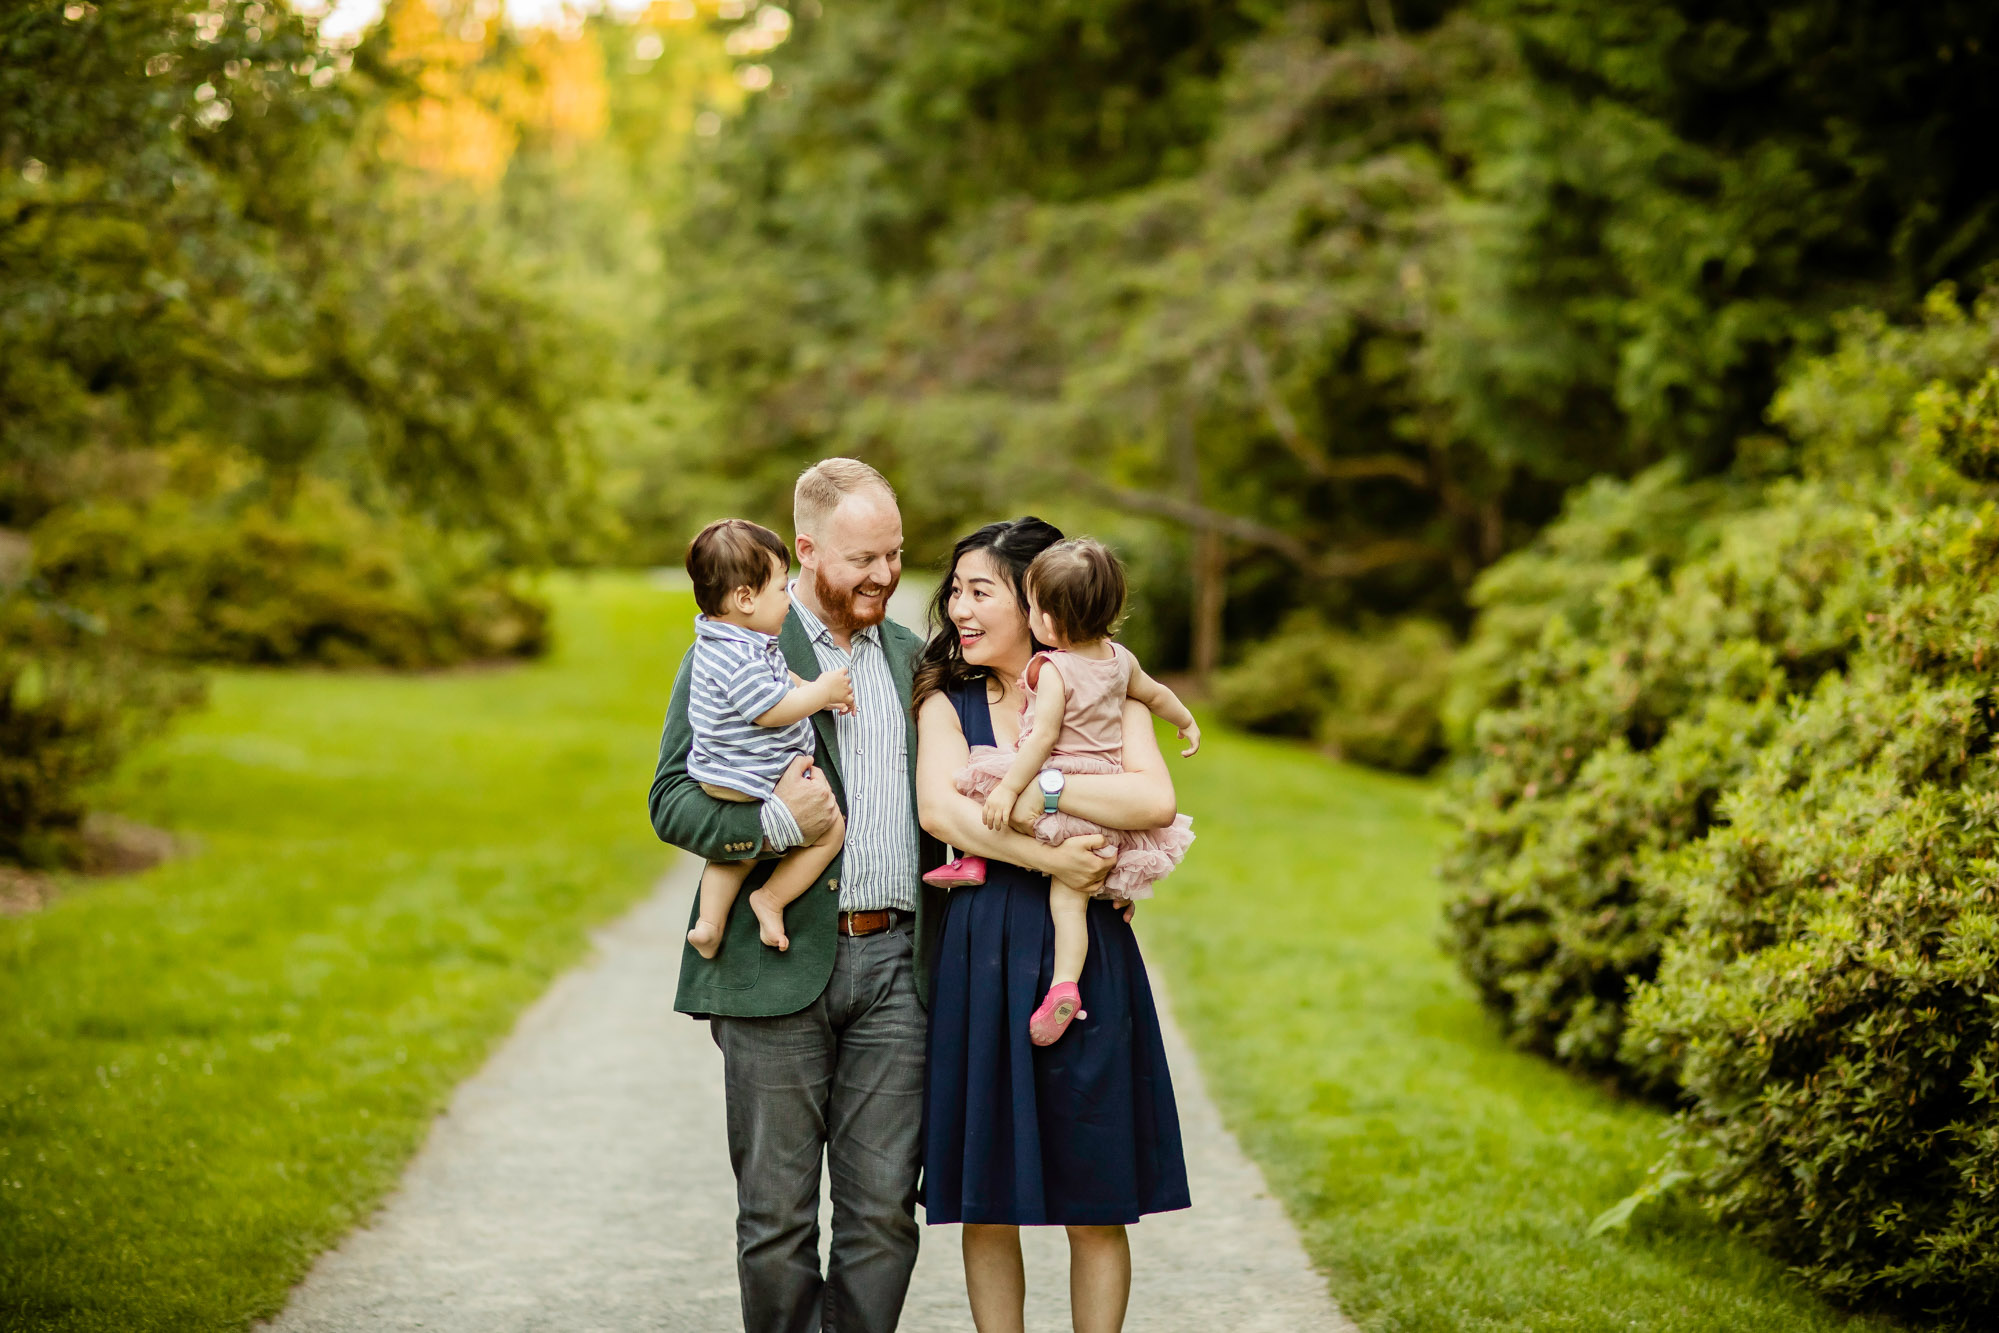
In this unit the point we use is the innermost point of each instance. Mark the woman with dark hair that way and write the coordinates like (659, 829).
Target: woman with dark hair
(1083, 1133)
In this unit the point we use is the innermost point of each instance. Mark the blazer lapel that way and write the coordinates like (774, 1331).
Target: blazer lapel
(902, 666)
(799, 656)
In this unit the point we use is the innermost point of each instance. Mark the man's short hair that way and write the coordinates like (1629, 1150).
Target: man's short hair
(733, 553)
(822, 486)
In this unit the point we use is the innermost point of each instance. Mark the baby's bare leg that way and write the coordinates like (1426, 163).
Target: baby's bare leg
(721, 881)
(1071, 911)
(797, 871)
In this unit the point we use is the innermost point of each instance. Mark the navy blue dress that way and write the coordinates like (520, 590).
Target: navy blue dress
(1081, 1133)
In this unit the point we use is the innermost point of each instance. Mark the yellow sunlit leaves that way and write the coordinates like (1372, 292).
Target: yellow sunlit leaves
(485, 89)
(479, 96)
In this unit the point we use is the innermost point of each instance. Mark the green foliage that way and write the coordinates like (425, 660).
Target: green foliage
(1673, 626)
(72, 702)
(199, 236)
(1659, 518)
(1617, 750)
(1369, 698)
(1735, 832)
(1832, 1004)
(1679, 196)
(318, 582)
(204, 244)
(1209, 336)
(1401, 276)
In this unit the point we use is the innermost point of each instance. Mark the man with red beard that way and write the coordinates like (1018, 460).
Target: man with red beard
(823, 1044)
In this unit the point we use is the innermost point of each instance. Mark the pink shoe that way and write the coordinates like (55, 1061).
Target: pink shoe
(1062, 1003)
(962, 873)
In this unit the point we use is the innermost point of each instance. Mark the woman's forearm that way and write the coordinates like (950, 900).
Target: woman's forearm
(954, 819)
(1115, 800)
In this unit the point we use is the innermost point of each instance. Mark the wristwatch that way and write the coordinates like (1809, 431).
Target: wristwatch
(1050, 782)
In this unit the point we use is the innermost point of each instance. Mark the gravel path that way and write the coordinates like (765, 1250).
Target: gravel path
(579, 1182)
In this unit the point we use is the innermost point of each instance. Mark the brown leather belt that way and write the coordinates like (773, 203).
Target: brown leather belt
(870, 923)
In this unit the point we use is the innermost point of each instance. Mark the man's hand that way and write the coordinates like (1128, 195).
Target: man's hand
(1079, 865)
(998, 810)
(806, 793)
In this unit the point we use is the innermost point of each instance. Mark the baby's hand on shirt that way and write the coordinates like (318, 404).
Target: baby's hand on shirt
(998, 808)
(839, 690)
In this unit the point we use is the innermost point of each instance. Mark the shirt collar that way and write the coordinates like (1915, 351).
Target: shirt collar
(707, 627)
(815, 629)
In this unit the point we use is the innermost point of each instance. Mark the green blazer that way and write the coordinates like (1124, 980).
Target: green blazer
(747, 979)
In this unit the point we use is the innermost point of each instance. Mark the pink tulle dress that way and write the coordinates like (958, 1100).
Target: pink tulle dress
(1092, 741)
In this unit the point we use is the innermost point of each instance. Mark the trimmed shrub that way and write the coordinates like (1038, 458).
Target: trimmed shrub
(71, 704)
(1658, 517)
(1831, 1003)
(1374, 699)
(1618, 750)
(320, 583)
(1672, 626)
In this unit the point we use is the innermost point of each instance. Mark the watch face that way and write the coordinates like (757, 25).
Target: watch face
(1050, 780)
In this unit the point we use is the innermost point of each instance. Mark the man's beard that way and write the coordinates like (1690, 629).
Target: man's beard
(837, 608)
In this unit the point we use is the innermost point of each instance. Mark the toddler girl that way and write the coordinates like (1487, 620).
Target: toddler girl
(1072, 722)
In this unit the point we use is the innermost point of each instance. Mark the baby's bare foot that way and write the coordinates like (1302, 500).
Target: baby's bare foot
(770, 921)
(706, 937)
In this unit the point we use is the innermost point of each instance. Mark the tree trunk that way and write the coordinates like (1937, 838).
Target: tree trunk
(1210, 559)
(1210, 570)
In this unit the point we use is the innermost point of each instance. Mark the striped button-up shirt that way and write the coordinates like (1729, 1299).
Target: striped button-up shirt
(880, 868)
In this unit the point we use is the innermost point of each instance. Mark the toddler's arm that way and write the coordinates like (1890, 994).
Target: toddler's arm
(1035, 747)
(1166, 704)
(832, 690)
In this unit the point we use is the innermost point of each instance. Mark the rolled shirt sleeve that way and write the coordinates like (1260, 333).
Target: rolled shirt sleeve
(781, 831)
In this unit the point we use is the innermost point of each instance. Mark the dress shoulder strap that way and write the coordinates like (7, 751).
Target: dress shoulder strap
(975, 717)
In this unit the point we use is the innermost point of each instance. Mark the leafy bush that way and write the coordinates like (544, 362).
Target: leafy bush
(1673, 625)
(1621, 745)
(71, 703)
(320, 582)
(1736, 831)
(1831, 1006)
(1659, 517)
(1370, 698)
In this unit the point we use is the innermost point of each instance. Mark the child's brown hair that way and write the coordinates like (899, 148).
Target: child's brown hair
(733, 553)
(1080, 586)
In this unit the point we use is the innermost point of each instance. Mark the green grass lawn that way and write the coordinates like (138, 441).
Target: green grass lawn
(1444, 1180)
(210, 1071)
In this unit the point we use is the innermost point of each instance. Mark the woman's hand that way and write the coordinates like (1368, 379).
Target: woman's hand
(1077, 864)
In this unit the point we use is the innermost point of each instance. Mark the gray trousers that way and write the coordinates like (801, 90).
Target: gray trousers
(843, 1076)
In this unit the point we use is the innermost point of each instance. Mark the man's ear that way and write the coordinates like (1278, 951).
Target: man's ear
(808, 553)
